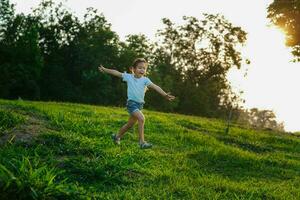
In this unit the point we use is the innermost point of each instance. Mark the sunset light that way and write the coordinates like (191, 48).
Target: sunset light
(149, 99)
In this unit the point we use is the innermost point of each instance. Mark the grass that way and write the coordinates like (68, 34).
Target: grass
(55, 150)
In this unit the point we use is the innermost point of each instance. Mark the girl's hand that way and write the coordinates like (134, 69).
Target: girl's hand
(101, 68)
(169, 97)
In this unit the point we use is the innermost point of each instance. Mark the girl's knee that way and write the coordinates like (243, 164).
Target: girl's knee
(141, 119)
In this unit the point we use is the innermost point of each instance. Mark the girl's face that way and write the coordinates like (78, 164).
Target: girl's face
(140, 70)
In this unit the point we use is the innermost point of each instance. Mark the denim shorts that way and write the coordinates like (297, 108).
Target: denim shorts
(133, 106)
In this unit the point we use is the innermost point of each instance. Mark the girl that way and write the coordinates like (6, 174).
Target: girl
(137, 84)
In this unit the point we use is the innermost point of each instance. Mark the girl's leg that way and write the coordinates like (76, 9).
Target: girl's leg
(131, 121)
(141, 121)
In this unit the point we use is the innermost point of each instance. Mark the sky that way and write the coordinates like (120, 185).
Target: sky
(272, 80)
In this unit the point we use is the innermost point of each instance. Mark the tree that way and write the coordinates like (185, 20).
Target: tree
(286, 15)
(203, 51)
(163, 73)
(260, 119)
(21, 61)
(72, 51)
(7, 13)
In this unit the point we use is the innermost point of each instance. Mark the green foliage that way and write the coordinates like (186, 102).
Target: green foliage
(285, 15)
(198, 55)
(262, 119)
(21, 61)
(6, 15)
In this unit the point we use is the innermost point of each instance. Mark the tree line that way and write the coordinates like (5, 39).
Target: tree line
(52, 55)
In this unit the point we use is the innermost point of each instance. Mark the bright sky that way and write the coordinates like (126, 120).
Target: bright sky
(272, 81)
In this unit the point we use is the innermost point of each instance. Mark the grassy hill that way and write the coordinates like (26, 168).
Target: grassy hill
(64, 151)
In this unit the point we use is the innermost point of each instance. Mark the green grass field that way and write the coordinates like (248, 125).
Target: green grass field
(63, 151)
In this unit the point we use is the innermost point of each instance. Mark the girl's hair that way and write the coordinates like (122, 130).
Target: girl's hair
(139, 60)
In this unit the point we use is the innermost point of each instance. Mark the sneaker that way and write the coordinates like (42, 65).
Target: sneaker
(146, 145)
(115, 139)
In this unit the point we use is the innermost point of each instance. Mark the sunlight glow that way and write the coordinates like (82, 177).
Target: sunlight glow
(272, 81)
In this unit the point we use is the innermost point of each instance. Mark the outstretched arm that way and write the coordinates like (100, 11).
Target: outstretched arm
(161, 92)
(110, 71)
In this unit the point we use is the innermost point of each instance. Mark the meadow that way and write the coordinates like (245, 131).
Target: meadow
(52, 150)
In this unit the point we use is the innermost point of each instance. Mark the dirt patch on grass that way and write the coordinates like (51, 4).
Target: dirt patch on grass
(25, 132)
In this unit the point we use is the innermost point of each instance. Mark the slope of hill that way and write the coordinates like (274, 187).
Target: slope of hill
(63, 151)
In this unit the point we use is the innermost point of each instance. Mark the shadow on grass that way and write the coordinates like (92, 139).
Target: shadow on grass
(280, 143)
(244, 145)
(86, 164)
(238, 167)
(286, 144)
(192, 126)
(25, 110)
